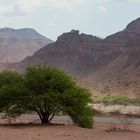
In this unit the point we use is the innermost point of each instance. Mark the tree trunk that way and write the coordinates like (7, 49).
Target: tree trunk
(45, 117)
(44, 120)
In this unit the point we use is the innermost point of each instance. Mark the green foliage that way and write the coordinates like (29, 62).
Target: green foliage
(51, 91)
(107, 100)
(82, 117)
(9, 78)
(97, 112)
(75, 103)
(46, 91)
(11, 84)
(11, 87)
(120, 100)
(135, 101)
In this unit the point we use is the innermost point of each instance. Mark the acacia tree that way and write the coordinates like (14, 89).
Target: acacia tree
(51, 91)
(48, 91)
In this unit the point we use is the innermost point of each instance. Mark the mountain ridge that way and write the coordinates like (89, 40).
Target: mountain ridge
(17, 44)
(113, 62)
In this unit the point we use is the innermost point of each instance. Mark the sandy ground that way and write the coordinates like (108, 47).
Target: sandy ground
(69, 132)
(129, 109)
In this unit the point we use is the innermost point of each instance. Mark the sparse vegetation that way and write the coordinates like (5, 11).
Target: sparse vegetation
(105, 90)
(117, 100)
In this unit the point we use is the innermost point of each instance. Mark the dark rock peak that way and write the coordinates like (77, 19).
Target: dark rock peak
(134, 25)
(74, 35)
(68, 35)
(75, 32)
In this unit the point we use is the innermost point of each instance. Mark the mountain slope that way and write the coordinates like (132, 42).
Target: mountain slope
(78, 54)
(16, 44)
(120, 39)
(112, 63)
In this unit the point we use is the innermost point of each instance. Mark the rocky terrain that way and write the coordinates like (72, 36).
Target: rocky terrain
(17, 44)
(109, 66)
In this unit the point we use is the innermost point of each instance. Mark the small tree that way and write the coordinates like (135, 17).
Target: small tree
(51, 91)
(46, 91)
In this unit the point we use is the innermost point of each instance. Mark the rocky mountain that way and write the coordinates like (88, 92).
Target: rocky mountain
(109, 66)
(16, 44)
(78, 54)
(120, 39)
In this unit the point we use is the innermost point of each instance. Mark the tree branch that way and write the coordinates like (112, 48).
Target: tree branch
(51, 117)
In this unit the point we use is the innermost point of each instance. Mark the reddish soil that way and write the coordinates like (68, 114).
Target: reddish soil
(101, 131)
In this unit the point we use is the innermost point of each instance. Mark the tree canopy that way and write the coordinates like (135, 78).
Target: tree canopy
(11, 90)
(48, 92)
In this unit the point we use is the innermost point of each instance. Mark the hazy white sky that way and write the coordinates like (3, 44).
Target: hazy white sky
(53, 17)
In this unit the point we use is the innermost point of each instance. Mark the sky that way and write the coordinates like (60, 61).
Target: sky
(54, 17)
